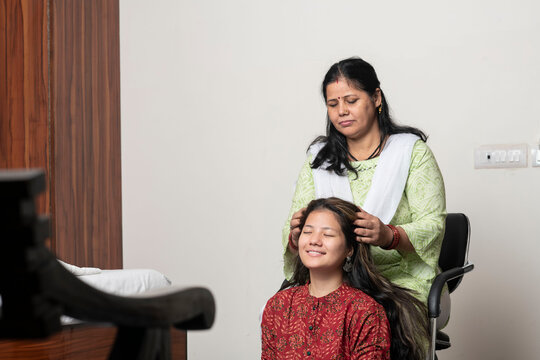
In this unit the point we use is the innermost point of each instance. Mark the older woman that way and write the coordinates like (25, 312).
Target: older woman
(337, 305)
(385, 169)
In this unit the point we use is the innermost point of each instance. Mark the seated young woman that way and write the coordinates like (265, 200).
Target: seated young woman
(337, 305)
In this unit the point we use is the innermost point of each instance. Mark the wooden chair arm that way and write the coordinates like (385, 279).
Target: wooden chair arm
(36, 289)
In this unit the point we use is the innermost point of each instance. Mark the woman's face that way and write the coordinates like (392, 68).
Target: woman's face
(322, 244)
(353, 112)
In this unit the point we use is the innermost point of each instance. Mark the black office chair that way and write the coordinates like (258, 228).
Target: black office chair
(454, 264)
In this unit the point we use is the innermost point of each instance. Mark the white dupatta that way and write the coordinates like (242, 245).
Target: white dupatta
(387, 184)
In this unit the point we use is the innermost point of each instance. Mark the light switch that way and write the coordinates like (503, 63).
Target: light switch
(501, 156)
(535, 157)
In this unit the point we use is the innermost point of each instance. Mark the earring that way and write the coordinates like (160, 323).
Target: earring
(347, 267)
(380, 109)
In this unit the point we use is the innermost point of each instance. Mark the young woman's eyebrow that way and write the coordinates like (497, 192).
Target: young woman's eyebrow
(324, 227)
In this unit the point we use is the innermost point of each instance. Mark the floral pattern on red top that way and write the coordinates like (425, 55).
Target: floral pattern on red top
(345, 324)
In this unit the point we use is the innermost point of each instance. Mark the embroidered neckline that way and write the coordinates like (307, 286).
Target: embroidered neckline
(330, 297)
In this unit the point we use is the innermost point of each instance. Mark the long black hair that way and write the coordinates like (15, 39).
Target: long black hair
(362, 76)
(406, 314)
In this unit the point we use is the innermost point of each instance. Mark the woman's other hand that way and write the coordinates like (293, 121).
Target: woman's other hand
(371, 230)
(295, 225)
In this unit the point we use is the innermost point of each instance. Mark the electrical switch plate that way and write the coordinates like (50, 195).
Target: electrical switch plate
(500, 156)
(535, 157)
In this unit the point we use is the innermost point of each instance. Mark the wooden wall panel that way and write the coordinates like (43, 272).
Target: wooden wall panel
(60, 111)
(24, 81)
(85, 92)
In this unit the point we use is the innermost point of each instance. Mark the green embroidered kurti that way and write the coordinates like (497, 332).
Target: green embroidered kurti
(421, 213)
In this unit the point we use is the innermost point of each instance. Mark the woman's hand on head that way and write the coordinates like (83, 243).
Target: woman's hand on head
(295, 225)
(371, 230)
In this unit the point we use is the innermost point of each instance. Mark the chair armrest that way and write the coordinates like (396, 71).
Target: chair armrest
(185, 308)
(434, 297)
(188, 308)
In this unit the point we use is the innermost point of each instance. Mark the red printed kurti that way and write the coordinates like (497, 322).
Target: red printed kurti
(345, 324)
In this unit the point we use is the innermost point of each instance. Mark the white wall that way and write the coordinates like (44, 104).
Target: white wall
(221, 98)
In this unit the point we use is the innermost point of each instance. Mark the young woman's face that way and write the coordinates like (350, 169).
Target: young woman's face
(353, 112)
(322, 244)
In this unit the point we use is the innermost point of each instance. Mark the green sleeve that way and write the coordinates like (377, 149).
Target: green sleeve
(427, 204)
(303, 194)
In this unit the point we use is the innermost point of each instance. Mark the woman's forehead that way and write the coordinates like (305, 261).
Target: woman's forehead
(342, 88)
(323, 218)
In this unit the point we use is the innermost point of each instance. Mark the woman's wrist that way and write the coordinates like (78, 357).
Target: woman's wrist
(292, 246)
(395, 238)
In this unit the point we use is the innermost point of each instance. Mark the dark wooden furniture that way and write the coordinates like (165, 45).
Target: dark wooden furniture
(36, 290)
(78, 342)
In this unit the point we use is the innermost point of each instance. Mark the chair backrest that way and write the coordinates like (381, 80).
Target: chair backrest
(455, 246)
